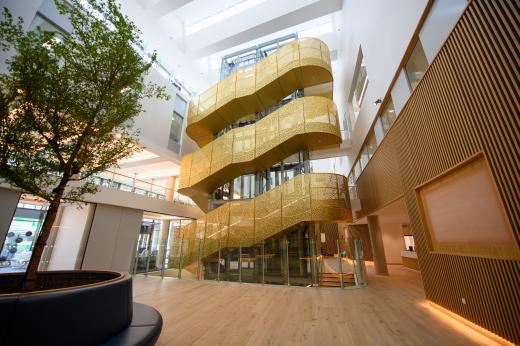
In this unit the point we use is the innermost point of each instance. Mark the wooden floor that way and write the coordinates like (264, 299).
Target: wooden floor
(390, 311)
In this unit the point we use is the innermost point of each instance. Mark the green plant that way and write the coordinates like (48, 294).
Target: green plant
(67, 104)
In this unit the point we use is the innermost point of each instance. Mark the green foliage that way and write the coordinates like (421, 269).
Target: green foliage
(67, 102)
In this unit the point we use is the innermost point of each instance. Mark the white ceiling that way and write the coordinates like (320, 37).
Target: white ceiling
(195, 57)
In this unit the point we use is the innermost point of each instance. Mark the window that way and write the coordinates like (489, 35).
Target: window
(357, 169)
(416, 65)
(388, 116)
(359, 88)
(176, 125)
(46, 25)
(371, 145)
(363, 157)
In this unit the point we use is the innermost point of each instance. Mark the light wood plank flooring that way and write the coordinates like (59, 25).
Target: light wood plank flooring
(390, 311)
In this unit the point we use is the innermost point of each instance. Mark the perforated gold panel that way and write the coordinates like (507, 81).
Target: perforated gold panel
(314, 197)
(266, 71)
(291, 121)
(308, 122)
(184, 178)
(267, 134)
(296, 200)
(297, 65)
(268, 214)
(245, 84)
(223, 156)
(244, 144)
(288, 57)
(226, 90)
(200, 164)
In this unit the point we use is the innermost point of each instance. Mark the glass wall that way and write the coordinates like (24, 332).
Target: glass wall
(158, 251)
(251, 185)
(178, 248)
(285, 259)
(21, 236)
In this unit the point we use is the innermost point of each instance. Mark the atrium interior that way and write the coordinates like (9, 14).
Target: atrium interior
(319, 172)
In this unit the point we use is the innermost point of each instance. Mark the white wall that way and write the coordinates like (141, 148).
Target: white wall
(155, 121)
(74, 222)
(393, 242)
(383, 29)
(112, 238)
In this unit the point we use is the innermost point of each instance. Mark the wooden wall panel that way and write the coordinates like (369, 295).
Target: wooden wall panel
(467, 102)
(331, 236)
(380, 182)
(360, 232)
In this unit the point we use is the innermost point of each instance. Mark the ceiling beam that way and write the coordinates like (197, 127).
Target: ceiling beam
(165, 7)
(200, 48)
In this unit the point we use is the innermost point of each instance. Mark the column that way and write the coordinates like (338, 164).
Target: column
(378, 250)
(165, 224)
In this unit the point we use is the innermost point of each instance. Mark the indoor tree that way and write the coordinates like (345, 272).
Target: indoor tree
(66, 105)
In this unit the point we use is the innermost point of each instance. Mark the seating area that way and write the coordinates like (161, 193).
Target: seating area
(96, 309)
(144, 330)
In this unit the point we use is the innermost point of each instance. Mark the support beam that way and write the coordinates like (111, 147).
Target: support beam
(378, 250)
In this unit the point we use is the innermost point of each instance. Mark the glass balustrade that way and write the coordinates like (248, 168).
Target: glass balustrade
(122, 182)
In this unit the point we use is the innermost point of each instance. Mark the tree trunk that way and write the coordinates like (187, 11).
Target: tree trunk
(29, 282)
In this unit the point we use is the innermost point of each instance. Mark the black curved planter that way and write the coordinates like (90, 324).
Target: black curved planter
(89, 314)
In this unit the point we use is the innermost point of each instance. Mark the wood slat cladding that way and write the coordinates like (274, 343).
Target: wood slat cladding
(467, 103)
(377, 190)
(331, 236)
(359, 232)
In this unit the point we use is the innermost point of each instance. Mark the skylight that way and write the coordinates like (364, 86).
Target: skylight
(220, 16)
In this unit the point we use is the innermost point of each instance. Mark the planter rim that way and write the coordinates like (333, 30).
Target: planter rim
(120, 276)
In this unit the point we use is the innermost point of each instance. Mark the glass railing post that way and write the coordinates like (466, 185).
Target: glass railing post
(163, 261)
(263, 262)
(340, 265)
(287, 260)
(359, 263)
(199, 261)
(219, 259)
(240, 261)
(147, 263)
(179, 274)
(136, 253)
(314, 271)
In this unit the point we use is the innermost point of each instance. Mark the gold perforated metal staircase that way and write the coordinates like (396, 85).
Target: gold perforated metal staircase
(306, 123)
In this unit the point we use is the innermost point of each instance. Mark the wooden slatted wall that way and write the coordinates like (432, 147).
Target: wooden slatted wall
(377, 190)
(467, 102)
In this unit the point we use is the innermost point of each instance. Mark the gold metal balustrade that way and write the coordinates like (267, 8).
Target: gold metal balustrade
(308, 122)
(311, 197)
(298, 64)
